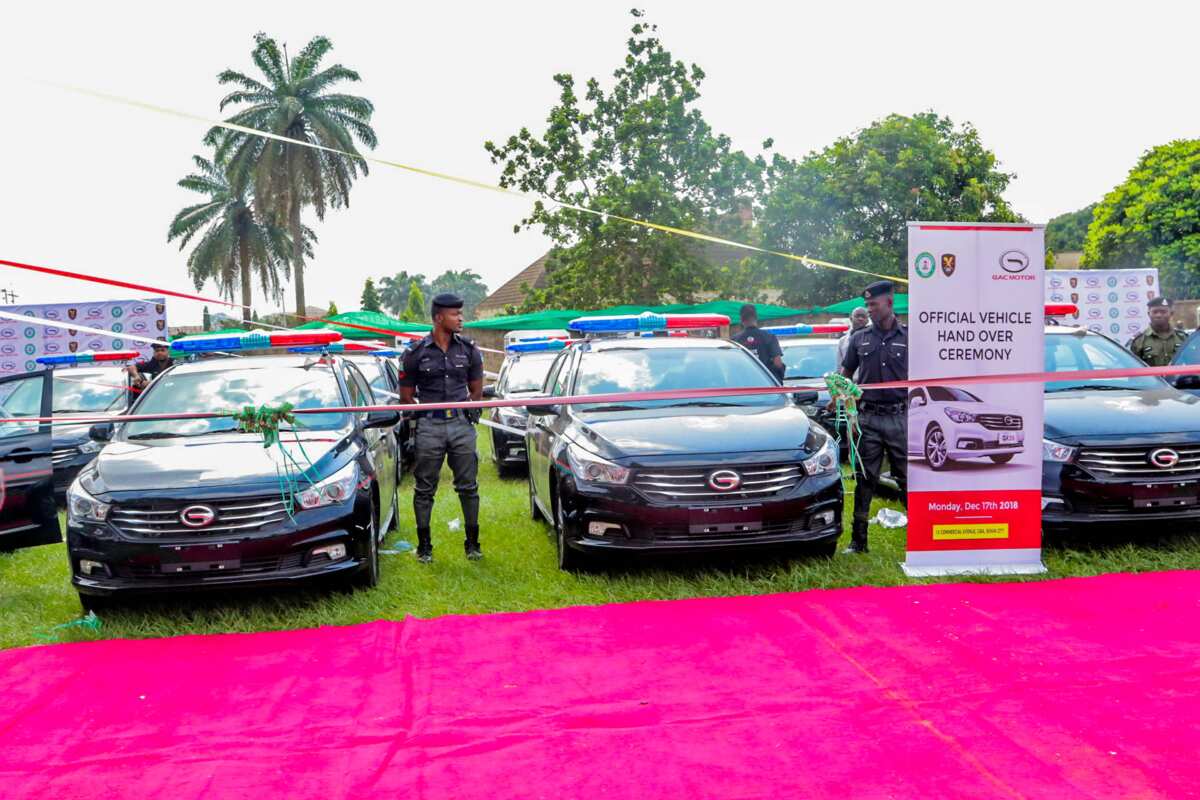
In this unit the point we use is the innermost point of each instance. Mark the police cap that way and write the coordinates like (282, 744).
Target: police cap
(446, 300)
(877, 289)
(1159, 302)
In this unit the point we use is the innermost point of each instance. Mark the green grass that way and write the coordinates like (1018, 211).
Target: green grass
(517, 574)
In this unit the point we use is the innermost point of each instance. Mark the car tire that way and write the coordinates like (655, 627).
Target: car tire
(568, 560)
(368, 577)
(1001, 459)
(96, 603)
(935, 450)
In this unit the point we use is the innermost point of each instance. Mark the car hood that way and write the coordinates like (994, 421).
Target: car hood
(752, 433)
(1128, 415)
(227, 460)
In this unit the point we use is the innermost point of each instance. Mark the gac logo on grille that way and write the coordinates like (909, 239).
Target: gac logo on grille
(1164, 458)
(724, 480)
(1011, 420)
(197, 516)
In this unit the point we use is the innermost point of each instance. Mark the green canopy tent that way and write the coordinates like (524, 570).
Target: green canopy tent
(846, 306)
(560, 318)
(367, 319)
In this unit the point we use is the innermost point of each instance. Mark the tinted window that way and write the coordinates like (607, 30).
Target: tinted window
(314, 386)
(654, 369)
(88, 391)
(356, 384)
(1190, 354)
(947, 394)
(527, 374)
(1069, 352)
(559, 387)
(21, 398)
(809, 360)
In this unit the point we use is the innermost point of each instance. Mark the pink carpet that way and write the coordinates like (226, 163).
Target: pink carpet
(1064, 689)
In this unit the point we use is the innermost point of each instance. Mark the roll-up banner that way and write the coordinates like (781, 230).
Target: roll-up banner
(1107, 301)
(976, 307)
(20, 345)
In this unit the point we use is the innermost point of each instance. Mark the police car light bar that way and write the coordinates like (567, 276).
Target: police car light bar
(671, 334)
(647, 321)
(348, 347)
(253, 341)
(541, 339)
(537, 345)
(88, 357)
(806, 330)
(1061, 309)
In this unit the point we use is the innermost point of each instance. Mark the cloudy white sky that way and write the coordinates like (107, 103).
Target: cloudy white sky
(1067, 94)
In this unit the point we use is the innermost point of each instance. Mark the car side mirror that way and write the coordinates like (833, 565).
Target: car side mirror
(101, 432)
(542, 411)
(1187, 382)
(381, 419)
(489, 393)
(805, 398)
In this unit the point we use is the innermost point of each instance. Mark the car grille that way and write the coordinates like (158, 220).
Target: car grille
(156, 521)
(1134, 462)
(1000, 422)
(62, 455)
(690, 484)
(248, 566)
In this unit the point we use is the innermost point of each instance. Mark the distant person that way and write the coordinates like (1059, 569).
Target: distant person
(859, 319)
(143, 372)
(1157, 344)
(762, 343)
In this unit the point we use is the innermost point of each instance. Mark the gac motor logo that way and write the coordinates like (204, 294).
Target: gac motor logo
(52, 313)
(139, 311)
(1164, 458)
(8, 349)
(1132, 297)
(140, 327)
(1133, 327)
(51, 347)
(1014, 261)
(197, 516)
(724, 480)
(8, 366)
(1056, 297)
(7, 333)
(1093, 297)
(1056, 283)
(1092, 283)
(1133, 312)
(1130, 280)
(94, 313)
(1095, 313)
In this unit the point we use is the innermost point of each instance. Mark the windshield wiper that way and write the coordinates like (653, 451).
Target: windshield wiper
(703, 403)
(617, 407)
(173, 435)
(1101, 387)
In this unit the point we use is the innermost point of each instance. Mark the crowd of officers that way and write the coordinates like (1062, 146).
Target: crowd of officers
(447, 367)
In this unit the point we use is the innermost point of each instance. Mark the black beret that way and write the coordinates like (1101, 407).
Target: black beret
(447, 300)
(876, 289)
(1159, 302)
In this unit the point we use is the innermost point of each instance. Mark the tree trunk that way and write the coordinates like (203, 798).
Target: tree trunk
(297, 257)
(244, 258)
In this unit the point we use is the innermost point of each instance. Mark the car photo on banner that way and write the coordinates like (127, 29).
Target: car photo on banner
(954, 428)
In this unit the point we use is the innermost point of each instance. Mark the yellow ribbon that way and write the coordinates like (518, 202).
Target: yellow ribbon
(704, 237)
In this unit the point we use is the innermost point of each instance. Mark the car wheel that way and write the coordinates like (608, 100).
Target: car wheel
(568, 560)
(936, 455)
(1001, 459)
(535, 514)
(368, 576)
(97, 603)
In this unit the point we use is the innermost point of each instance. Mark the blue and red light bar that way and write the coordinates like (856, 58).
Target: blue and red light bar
(89, 357)
(541, 339)
(647, 321)
(806, 330)
(537, 345)
(672, 334)
(348, 347)
(1061, 309)
(253, 341)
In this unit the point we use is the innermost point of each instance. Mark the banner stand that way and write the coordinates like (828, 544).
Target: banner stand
(1017, 561)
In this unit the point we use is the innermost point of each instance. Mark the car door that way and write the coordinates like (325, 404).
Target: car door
(540, 431)
(28, 513)
(380, 441)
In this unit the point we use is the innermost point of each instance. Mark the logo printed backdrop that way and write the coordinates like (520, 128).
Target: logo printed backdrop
(21, 344)
(975, 454)
(1110, 301)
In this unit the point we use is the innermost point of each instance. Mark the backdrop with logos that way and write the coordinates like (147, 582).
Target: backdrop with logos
(1110, 301)
(21, 344)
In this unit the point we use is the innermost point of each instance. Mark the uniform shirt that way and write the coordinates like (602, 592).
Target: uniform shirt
(877, 356)
(442, 376)
(844, 343)
(765, 345)
(151, 368)
(1157, 349)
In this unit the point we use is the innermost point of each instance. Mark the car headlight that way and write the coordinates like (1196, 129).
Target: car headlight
(91, 447)
(593, 469)
(337, 488)
(824, 460)
(82, 507)
(1053, 451)
(510, 418)
(958, 415)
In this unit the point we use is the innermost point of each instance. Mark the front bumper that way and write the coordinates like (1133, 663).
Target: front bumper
(969, 440)
(279, 555)
(619, 519)
(509, 448)
(1072, 497)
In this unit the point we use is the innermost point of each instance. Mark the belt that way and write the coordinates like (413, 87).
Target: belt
(443, 413)
(884, 409)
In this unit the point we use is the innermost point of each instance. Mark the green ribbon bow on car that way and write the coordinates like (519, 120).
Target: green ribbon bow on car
(845, 395)
(266, 420)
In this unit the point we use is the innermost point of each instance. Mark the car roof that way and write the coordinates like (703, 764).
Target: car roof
(231, 363)
(659, 343)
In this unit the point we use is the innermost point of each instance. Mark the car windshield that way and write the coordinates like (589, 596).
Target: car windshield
(233, 389)
(1070, 352)
(809, 359)
(528, 373)
(89, 391)
(644, 369)
(1190, 352)
(947, 394)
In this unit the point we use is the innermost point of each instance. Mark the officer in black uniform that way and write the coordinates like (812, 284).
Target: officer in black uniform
(145, 371)
(444, 367)
(763, 344)
(879, 353)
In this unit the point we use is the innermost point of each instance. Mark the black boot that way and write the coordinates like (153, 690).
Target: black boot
(424, 545)
(858, 538)
(471, 545)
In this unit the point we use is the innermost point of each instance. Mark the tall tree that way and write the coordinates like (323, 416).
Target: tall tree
(850, 203)
(416, 311)
(393, 290)
(640, 148)
(370, 297)
(236, 242)
(1153, 219)
(1067, 232)
(466, 284)
(295, 101)
(333, 309)
(206, 320)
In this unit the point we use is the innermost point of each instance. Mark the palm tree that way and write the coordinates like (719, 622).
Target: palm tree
(394, 289)
(236, 243)
(294, 102)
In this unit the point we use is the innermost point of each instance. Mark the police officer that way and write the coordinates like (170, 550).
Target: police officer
(145, 371)
(1157, 344)
(763, 344)
(878, 353)
(444, 367)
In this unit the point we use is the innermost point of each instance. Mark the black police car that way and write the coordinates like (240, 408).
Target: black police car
(1116, 450)
(83, 392)
(193, 503)
(521, 375)
(722, 472)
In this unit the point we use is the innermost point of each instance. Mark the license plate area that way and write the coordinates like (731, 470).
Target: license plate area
(1008, 438)
(1182, 494)
(196, 558)
(725, 519)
